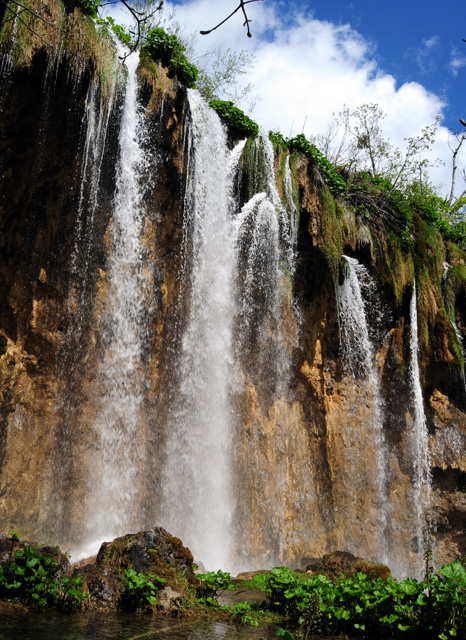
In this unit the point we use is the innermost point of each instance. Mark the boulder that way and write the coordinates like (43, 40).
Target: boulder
(344, 563)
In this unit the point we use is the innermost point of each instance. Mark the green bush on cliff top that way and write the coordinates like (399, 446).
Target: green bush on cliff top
(166, 48)
(234, 118)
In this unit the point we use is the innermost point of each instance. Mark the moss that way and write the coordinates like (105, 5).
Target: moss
(454, 285)
(395, 263)
(70, 37)
(294, 178)
(332, 237)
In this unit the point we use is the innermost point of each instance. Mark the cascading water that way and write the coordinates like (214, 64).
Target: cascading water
(418, 440)
(358, 360)
(197, 476)
(93, 147)
(114, 483)
(265, 249)
(266, 331)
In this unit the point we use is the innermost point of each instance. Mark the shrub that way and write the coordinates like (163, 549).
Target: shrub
(165, 48)
(213, 584)
(334, 181)
(234, 118)
(139, 590)
(34, 578)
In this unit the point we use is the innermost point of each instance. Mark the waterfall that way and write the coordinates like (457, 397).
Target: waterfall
(358, 361)
(197, 475)
(418, 440)
(265, 255)
(266, 332)
(120, 380)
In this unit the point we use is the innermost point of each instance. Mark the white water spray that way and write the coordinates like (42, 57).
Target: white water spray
(418, 438)
(358, 360)
(120, 382)
(197, 476)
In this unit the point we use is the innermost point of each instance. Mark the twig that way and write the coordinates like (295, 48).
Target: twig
(246, 19)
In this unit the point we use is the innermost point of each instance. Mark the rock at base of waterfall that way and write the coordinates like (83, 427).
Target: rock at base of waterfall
(154, 551)
(338, 563)
(168, 601)
(10, 545)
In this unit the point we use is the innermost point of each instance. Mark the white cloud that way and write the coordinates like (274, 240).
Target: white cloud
(426, 55)
(307, 69)
(457, 61)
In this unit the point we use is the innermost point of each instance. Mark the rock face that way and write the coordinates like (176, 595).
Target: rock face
(324, 458)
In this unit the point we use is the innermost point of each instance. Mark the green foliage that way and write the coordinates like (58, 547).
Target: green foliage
(234, 118)
(139, 590)
(90, 7)
(213, 584)
(34, 578)
(334, 181)
(246, 614)
(166, 48)
(368, 606)
(123, 36)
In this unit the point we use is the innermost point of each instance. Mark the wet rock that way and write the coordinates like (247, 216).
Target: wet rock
(344, 563)
(168, 601)
(154, 551)
(102, 586)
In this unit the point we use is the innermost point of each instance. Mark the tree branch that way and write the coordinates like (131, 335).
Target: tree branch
(33, 13)
(139, 21)
(246, 19)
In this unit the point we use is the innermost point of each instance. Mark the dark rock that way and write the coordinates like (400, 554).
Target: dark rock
(102, 586)
(344, 563)
(154, 551)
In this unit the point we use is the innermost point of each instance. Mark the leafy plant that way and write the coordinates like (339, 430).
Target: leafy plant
(213, 584)
(334, 181)
(234, 118)
(371, 606)
(166, 48)
(139, 590)
(123, 36)
(34, 578)
(90, 7)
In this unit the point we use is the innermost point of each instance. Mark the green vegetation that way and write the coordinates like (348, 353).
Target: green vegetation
(366, 605)
(166, 48)
(235, 119)
(335, 182)
(212, 585)
(139, 590)
(35, 579)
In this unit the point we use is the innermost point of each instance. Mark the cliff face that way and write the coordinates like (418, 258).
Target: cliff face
(326, 454)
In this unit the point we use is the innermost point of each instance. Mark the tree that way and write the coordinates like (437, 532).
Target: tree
(355, 141)
(460, 137)
(222, 81)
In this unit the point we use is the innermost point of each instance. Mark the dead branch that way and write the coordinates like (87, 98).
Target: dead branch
(246, 19)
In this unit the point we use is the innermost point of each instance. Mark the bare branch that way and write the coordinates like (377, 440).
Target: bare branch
(454, 167)
(246, 19)
(139, 22)
(28, 10)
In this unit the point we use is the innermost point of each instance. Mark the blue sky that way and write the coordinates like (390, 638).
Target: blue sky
(312, 58)
(414, 41)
